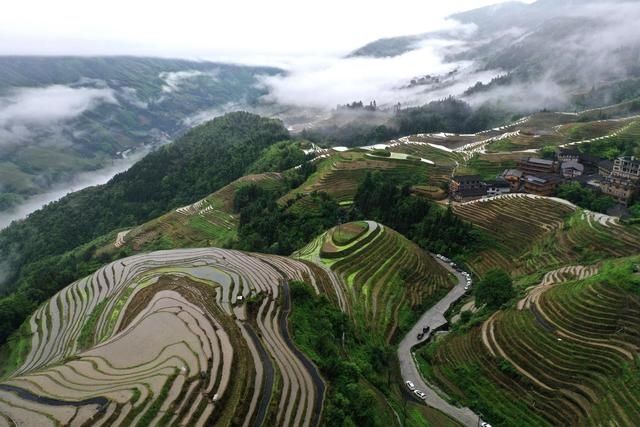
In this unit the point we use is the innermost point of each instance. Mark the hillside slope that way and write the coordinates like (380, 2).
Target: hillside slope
(568, 350)
(201, 336)
(387, 280)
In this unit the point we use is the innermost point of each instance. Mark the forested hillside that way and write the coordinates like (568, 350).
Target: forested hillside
(205, 159)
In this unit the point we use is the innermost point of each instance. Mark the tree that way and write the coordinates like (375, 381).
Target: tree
(495, 288)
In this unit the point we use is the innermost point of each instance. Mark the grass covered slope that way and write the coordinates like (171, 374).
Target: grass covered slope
(184, 336)
(568, 351)
(208, 222)
(387, 279)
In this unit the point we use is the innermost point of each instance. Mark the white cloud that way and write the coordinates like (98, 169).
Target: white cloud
(51, 104)
(213, 29)
(174, 79)
(25, 108)
(329, 81)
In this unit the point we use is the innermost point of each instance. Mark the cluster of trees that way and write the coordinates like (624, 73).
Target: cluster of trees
(494, 289)
(586, 198)
(279, 157)
(359, 106)
(33, 265)
(611, 148)
(265, 226)
(431, 227)
(326, 335)
(447, 115)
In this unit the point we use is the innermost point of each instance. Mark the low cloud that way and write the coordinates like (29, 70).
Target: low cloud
(24, 109)
(327, 82)
(174, 79)
(78, 182)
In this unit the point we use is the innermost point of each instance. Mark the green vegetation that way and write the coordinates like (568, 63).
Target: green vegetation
(494, 289)
(586, 198)
(346, 360)
(87, 333)
(268, 227)
(343, 235)
(624, 144)
(430, 226)
(279, 157)
(568, 357)
(448, 115)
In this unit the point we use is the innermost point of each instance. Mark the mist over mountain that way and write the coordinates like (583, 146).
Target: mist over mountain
(62, 116)
(548, 54)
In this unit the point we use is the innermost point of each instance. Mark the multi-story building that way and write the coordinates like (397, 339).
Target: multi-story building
(498, 187)
(534, 166)
(572, 169)
(623, 183)
(542, 185)
(514, 177)
(467, 187)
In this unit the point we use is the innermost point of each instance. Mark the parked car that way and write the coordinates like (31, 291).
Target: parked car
(420, 394)
(426, 330)
(485, 425)
(420, 336)
(467, 288)
(410, 385)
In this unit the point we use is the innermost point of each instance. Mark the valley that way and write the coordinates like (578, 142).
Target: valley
(230, 323)
(408, 215)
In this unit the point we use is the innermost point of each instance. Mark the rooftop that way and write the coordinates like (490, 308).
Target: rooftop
(538, 161)
(513, 172)
(542, 179)
(467, 178)
(571, 164)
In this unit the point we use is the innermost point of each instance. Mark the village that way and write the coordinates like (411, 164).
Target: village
(618, 179)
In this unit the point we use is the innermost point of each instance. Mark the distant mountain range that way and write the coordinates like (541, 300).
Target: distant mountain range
(63, 115)
(555, 50)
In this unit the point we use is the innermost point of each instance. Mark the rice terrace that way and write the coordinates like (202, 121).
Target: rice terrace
(437, 228)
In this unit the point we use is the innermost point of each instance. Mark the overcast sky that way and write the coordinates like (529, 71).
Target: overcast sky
(213, 29)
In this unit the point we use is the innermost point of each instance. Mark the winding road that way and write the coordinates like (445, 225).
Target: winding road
(434, 318)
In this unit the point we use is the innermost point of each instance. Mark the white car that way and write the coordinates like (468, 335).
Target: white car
(420, 394)
(410, 385)
(485, 425)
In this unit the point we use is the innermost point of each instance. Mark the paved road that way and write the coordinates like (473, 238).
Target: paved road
(434, 318)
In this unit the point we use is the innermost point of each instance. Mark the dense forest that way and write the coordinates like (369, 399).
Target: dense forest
(447, 115)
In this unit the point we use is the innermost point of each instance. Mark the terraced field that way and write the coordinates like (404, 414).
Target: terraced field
(386, 278)
(208, 222)
(340, 174)
(526, 234)
(182, 337)
(569, 352)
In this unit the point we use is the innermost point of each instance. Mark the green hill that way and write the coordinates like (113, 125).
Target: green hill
(389, 280)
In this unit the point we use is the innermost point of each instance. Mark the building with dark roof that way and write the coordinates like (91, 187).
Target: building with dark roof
(514, 177)
(541, 184)
(532, 166)
(569, 154)
(498, 187)
(571, 169)
(467, 187)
